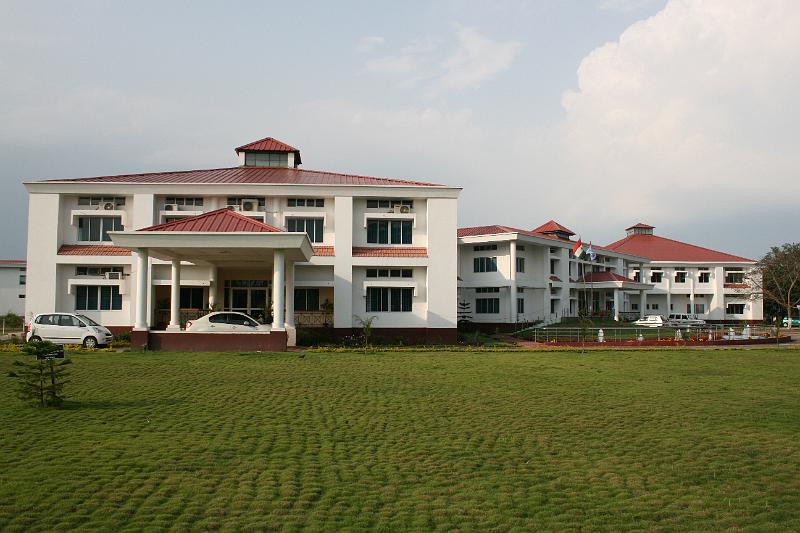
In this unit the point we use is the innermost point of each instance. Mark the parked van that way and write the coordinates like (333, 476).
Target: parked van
(651, 321)
(679, 320)
(68, 328)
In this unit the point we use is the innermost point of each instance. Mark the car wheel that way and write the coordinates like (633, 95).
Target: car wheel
(90, 342)
(35, 338)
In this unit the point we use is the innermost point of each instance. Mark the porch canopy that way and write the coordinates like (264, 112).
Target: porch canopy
(615, 282)
(220, 238)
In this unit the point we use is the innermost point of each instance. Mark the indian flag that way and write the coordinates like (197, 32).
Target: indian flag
(577, 250)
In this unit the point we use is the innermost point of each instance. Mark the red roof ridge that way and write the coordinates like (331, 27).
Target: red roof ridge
(614, 246)
(215, 221)
(276, 146)
(99, 178)
(551, 226)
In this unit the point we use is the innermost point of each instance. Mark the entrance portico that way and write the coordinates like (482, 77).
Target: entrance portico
(217, 240)
(611, 281)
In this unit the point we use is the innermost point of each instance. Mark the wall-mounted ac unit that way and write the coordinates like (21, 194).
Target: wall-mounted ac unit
(234, 207)
(106, 206)
(171, 207)
(402, 209)
(113, 275)
(249, 204)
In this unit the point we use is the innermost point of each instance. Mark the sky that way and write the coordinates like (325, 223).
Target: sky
(599, 114)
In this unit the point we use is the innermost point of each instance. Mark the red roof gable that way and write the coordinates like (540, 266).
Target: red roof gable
(596, 277)
(640, 225)
(551, 226)
(251, 175)
(221, 220)
(267, 144)
(496, 229)
(658, 248)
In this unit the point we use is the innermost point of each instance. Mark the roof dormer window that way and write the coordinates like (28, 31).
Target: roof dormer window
(266, 159)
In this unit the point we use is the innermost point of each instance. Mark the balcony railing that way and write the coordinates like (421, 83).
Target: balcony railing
(313, 319)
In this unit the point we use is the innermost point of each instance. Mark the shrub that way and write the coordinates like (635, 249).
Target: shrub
(40, 381)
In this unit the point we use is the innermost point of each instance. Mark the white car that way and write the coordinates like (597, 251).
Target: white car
(225, 322)
(685, 320)
(68, 328)
(651, 321)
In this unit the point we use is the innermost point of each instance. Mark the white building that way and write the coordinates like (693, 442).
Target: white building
(316, 247)
(509, 275)
(12, 286)
(689, 279)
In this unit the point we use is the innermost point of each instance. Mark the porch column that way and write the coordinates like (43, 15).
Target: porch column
(175, 297)
(212, 288)
(642, 303)
(142, 273)
(617, 304)
(290, 294)
(278, 290)
(512, 300)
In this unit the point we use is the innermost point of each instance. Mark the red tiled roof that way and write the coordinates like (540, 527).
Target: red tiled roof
(389, 251)
(92, 249)
(267, 144)
(551, 226)
(658, 248)
(12, 261)
(323, 251)
(596, 277)
(640, 225)
(250, 175)
(220, 220)
(496, 229)
(555, 278)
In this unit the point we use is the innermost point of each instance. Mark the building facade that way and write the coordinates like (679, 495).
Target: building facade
(13, 276)
(286, 245)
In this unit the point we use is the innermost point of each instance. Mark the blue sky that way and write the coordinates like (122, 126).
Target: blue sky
(598, 114)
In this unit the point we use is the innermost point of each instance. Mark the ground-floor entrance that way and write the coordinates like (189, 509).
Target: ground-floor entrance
(250, 296)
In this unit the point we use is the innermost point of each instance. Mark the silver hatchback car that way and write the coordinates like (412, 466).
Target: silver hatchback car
(68, 328)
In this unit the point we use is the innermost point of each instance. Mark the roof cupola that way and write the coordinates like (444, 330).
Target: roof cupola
(268, 152)
(640, 229)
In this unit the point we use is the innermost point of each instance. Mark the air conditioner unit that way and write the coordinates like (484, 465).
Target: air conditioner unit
(107, 206)
(113, 275)
(249, 204)
(234, 207)
(171, 207)
(402, 209)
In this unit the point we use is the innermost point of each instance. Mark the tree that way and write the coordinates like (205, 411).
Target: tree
(42, 380)
(366, 327)
(776, 278)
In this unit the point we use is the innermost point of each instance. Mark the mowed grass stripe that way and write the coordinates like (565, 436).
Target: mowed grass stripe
(662, 441)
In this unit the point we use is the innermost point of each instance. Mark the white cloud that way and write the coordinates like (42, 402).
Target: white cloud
(370, 42)
(473, 60)
(626, 5)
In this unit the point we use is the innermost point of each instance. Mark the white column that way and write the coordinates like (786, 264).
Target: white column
(212, 287)
(175, 297)
(642, 303)
(278, 289)
(290, 294)
(142, 267)
(343, 305)
(512, 275)
(617, 304)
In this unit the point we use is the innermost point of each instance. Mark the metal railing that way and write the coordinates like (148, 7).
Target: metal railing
(711, 332)
(313, 319)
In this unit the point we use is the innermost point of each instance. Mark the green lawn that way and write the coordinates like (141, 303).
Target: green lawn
(657, 441)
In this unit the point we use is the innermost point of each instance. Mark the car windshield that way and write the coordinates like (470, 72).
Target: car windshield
(88, 320)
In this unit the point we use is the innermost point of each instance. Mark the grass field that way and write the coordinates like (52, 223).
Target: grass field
(657, 441)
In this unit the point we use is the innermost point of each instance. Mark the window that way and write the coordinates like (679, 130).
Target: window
(385, 299)
(553, 266)
(101, 200)
(312, 226)
(705, 277)
(520, 248)
(389, 273)
(306, 299)
(636, 277)
(482, 247)
(388, 204)
(190, 201)
(22, 279)
(96, 270)
(487, 306)
(485, 290)
(95, 229)
(734, 276)
(93, 298)
(655, 277)
(389, 231)
(654, 307)
(699, 309)
(634, 307)
(485, 264)
(261, 159)
(735, 309)
(20, 296)
(520, 306)
(192, 298)
(520, 264)
(305, 202)
(237, 200)
(553, 250)
(680, 277)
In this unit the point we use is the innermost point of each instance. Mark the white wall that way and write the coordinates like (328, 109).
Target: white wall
(10, 289)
